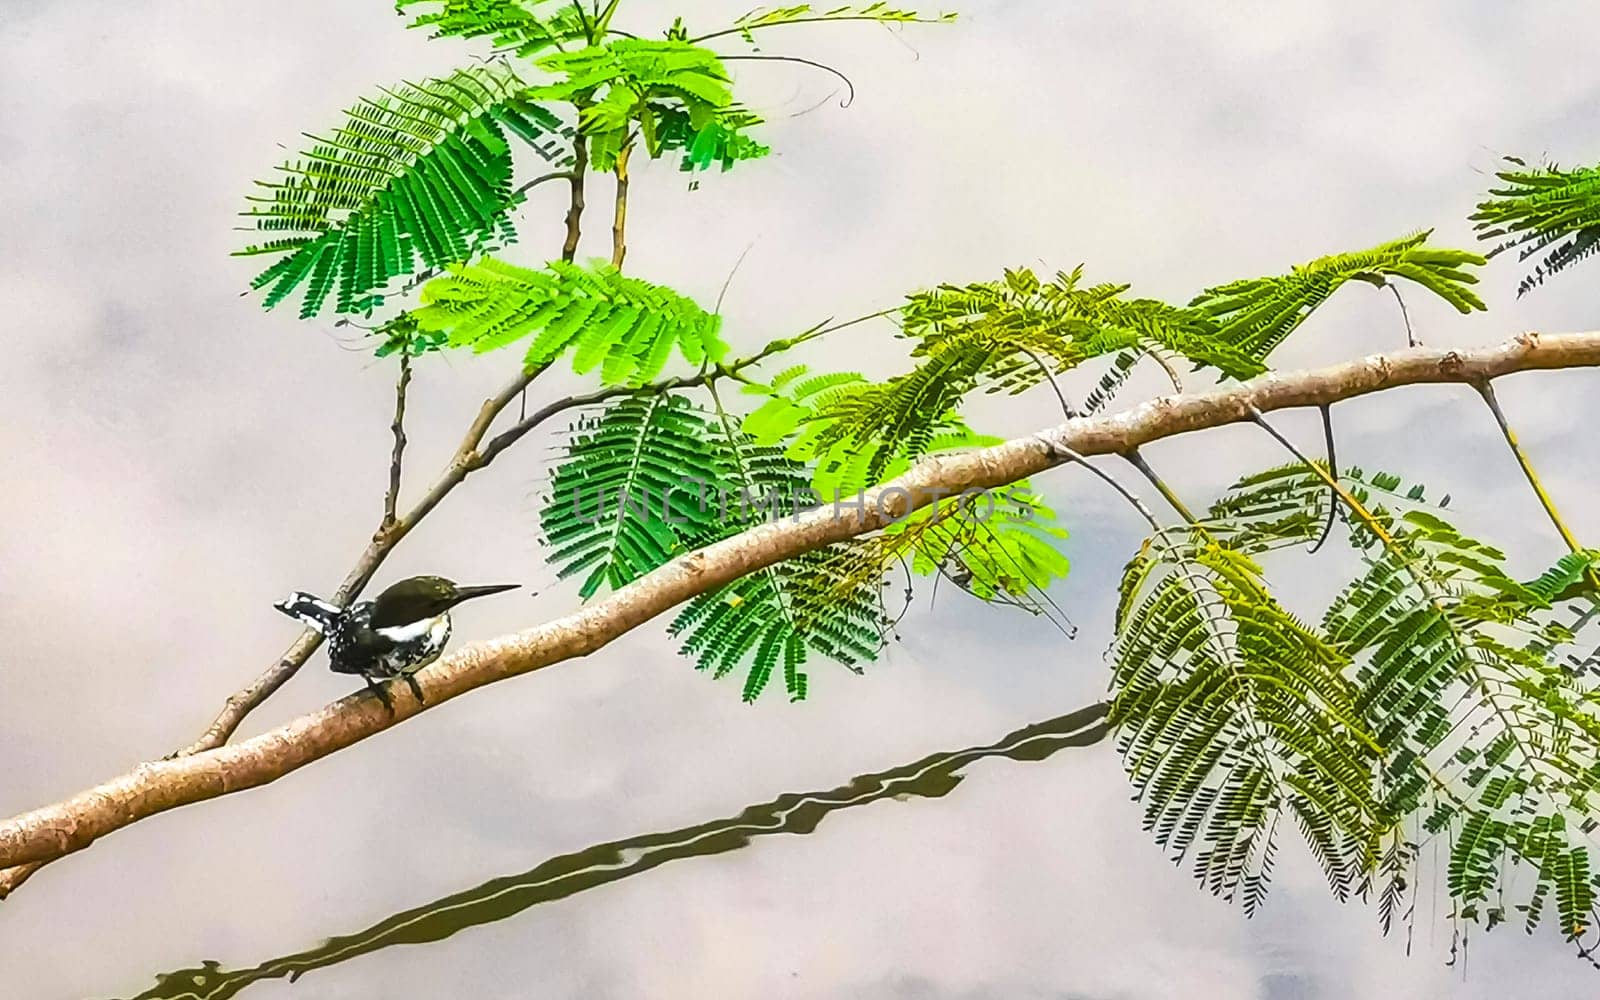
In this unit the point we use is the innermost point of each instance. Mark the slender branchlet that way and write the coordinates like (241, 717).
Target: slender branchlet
(850, 87)
(619, 217)
(398, 428)
(1061, 397)
(580, 167)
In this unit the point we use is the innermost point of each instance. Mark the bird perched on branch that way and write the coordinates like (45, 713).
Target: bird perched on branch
(402, 630)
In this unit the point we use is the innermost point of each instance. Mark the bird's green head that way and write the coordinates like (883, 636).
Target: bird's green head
(422, 597)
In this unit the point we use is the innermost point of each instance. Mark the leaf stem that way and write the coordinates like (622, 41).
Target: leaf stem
(1172, 499)
(1487, 392)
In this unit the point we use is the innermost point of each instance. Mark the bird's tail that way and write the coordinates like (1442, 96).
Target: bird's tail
(314, 611)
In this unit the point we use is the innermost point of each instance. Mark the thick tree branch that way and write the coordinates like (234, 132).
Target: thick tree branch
(76, 822)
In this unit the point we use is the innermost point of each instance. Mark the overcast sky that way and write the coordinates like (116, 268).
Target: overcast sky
(174, 459)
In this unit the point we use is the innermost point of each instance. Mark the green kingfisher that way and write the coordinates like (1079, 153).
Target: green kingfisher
(402, 630)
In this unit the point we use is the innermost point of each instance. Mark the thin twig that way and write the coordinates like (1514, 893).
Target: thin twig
(1061, 397)
(398, 428)
(1166, 366)
(580, 166)
(806, 20)
(850, 88)
(555, 175)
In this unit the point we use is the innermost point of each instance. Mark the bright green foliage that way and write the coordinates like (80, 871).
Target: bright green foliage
(625, 327)
(1235, 717)
(825, 602)
(1545, 210)
(805, 410)
(1254, 316)
(421, 174)
(804, 13)
(509, 23)
(1006, 335)
(631, 491)
(1062, 323)
(720, 140)
(633, 83)
(1001, 546)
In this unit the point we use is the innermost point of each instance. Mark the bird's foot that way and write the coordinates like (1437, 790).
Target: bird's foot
(377, 687)
(416, 689)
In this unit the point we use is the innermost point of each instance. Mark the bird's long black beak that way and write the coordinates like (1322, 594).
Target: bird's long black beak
(468, 593)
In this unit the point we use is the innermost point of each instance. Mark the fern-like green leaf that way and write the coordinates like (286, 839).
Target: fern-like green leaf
(1234, 717)
(1254, 316)
(530, 26)
(1459, 677)
(1545, 212)
(804, 13)
(631, 491)
(626, 327)
(825, 602)
(420, 176)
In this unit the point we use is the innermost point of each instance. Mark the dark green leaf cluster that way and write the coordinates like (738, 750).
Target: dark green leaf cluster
(1235, 717)
(1435, 700)
(625, 327)
(774, 617)
(630, 492)
(1489, 738)
(1544, 211)
(652, 477)
(420, 176)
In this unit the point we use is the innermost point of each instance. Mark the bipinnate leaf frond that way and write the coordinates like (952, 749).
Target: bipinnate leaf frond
(530, 27)
(630, 491)
(1235, 718)
(825, 602)
(625, 327)
(1255, 315)
(1492, 740)
(1438, 700)
(419, 176)
(1546, 212)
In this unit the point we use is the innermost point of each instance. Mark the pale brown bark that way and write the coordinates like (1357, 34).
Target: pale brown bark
(75, 823)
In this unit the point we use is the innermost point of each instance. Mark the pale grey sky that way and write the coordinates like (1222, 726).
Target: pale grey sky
(175, 459)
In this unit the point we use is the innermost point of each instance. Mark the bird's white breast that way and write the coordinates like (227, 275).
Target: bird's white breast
(436, 629)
